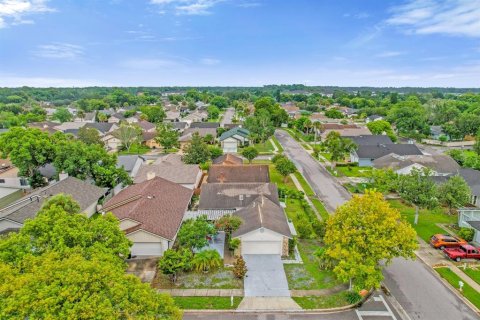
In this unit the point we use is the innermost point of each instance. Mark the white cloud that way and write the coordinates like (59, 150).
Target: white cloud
(59, 51)
(209, 61)
(389, 54)
(13, 12)
(452, 17)
(247, 4)
(186, 7)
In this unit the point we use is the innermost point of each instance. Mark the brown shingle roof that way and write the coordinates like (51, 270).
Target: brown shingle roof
(234, 195)
(238, 173)
(157, 204)
(228, 159)
(262, 213)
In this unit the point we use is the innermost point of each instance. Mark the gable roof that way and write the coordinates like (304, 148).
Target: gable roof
(472, 177)
(178, 125)
(128, 161)
(205, 125)
(370, 140)
(170, 168)
(82, 192)
(118, 115)
(157, 204)
(439, 163)
(235, 131)
(475, 224)
(103, 127)
(228, 159)
(234, 195)
(262, 213)
(145, 125)
(238, 173)
(377, 151)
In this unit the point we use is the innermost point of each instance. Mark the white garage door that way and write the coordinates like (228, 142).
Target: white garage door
(261, 247)
(147, 249)
(230, 146)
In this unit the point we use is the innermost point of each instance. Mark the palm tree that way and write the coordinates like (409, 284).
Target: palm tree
(206, 260)
(317, 127)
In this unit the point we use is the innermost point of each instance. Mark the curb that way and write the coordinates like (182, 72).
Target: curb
(448, 285)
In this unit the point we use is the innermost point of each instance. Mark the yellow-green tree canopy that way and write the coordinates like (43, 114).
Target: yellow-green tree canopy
(363, 232)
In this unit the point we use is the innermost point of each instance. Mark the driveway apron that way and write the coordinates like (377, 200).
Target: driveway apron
(265, 277)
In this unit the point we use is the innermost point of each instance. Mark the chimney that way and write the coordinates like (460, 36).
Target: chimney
(62, 176)
(150, 175)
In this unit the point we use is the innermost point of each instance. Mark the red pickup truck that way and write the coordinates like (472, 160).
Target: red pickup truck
(465, 251)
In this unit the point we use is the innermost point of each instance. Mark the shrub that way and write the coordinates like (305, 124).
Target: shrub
(353, 297)
(466, 233)
(233, 244)
(291, 245)
(304, 229)
(239, 268)
(277, 157)
(207, 260)
(319, 228)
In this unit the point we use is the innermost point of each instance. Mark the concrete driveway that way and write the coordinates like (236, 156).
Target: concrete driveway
(265, 276)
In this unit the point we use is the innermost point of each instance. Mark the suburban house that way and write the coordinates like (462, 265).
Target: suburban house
(172, 116)
(146, 126)
(264, 228)
(87, 195)
(373, 117)
(345, 130)
(9, 176)
(228, 159)
(69, 126)
(440, 165)
(46, 126)
(365, 155)
(102, 127)
(150, 214)
(238, 174)
(291, 109)
(212, 125)
(149, 139)
(472, 178)
(232, 139)
(188, 134)
(197, 116)
(171, 168)
(116, 118)
(88, 117)
(131, 163)
(179, 126)
(370, 140)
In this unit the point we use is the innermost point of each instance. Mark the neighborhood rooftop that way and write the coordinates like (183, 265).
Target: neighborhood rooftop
(238, 173)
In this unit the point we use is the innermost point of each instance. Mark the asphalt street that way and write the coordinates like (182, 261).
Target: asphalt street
(227, 117)
(421, 294)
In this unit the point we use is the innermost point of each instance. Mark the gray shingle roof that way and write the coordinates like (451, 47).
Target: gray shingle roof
(103, 127)
(475, 224)
(377, 151)
(205, 125)
(83, 192)
(238, 173)
(439, 163)
(234, 195)
(235, 131)
(170, 168)
(370, 140)
(128, 162)
(262, 213)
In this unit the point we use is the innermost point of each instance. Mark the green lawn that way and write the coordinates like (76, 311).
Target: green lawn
(306, 187)
(468, 292)
(276, 177)
(308, 276)
(351, 171)
(323, 302)
(222, 278)
(262, 148)
(293, 133)
(135, 149)
(320, 208)
(326, 155)
(279, 146)
(427, 221)
(198, 303)
(473, 273)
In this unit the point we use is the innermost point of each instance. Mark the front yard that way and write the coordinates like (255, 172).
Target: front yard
(216, 279)
(428, 220)
(309, 275)
(323, 302)
(354, 171)
(135, 149)
(199, 303)
(468, 292)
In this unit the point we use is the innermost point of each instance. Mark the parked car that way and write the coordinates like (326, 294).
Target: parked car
(442, 241)
(465, 251)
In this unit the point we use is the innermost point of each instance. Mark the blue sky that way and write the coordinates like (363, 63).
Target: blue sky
(239, 42)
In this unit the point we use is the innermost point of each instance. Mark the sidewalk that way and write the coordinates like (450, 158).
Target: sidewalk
(435, 258)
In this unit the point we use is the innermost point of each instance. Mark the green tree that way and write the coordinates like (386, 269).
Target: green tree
(250, 153)
(128, 134)
(215, 152)
(365, 234)
(454, 193)
(207, 260)
(409, 116)
(213, 112)
(476, 147)
(154, 114)
(167, 137)
(219, 102)
(418, 189)
(260, 126)
(240, 268)
(285, 167)
(69, 286)
(384, 180)
(62, 115)
(89, 136)
(174, 261)
(229, 224)
(381, 127)
(102, 117)
(193, 233)
(28, 149)
(334, 114)
(338, 146)
(196, 151)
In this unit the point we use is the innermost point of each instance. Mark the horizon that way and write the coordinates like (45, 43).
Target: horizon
(247, 43)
